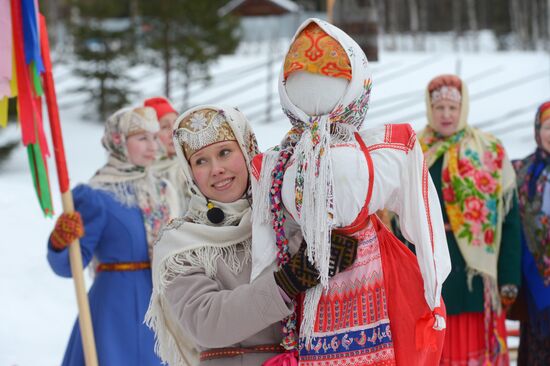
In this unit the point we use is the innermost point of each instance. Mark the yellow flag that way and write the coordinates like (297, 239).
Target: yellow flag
(13, 81)
(4, 112)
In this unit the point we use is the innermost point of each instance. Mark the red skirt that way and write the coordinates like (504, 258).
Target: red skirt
(465, 342)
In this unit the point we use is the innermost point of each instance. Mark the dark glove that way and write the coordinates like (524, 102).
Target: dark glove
(299, 274)
(68, 228)
(343, 251)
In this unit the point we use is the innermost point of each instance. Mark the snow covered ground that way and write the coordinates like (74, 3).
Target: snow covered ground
(38, 309)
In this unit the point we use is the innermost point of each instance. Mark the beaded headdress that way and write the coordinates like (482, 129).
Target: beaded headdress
(202, 128)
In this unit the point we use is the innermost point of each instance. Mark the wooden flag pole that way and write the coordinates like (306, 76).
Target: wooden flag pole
(75, 255)
(77, 270)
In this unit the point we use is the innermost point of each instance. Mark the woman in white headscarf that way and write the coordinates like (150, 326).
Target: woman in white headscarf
(118, 215)
(327, 176)
(203, 299)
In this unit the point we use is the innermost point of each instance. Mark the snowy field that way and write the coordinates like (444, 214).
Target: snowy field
(38, 309)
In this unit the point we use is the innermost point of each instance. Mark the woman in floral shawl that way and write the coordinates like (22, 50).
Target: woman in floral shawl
(534, 201)
(476, 185)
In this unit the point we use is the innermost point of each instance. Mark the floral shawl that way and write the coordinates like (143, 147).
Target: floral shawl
(533, 172)
(478, 183)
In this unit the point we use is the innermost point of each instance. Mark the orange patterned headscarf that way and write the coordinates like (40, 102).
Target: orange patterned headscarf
(318, 53)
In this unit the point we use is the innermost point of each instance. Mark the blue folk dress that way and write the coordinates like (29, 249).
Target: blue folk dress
(114, 233)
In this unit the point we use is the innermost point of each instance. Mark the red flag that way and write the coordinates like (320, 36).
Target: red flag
(53, 110)
(26, 105)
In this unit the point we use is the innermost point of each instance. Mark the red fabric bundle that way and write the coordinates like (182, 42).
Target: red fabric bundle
(415, 340)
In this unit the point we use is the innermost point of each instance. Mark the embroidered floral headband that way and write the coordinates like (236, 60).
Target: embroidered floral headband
(202, 128)
(446, 93)
(445, 87)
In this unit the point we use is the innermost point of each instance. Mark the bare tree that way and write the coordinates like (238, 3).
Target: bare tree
(414, 22)
(393, 22)
(381, 12)
(524, 16)
(423, 16)
(472, 22)
(535, 23)
(515, 19)
(457, 20)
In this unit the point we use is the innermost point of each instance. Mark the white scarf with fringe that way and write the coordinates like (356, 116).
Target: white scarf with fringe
(185, 246)
(193, 242)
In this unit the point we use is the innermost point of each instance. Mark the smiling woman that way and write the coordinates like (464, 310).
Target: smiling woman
(118, 217)
(203, 298)
(220, 171)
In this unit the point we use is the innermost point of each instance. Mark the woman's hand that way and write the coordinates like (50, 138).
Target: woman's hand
(68, 228)
(299, 275)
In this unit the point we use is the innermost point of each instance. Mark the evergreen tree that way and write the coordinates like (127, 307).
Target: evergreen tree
(103, 38)
(186, 36)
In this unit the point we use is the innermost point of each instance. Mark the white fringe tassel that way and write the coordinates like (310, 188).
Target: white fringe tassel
(316, 212)
(316, 217)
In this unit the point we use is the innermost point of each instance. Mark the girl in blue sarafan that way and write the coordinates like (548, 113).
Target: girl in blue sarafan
(118, 216)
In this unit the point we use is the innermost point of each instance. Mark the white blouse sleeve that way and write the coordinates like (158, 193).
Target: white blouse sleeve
(421, 223)
(403, 185)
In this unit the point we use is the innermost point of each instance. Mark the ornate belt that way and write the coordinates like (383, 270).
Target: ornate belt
(215, 353)
(123, 266)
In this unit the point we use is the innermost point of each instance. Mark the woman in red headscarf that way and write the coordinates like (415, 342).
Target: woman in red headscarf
(476, 185)
(167, 165)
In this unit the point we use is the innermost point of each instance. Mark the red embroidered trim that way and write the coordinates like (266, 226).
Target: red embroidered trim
(412, 141)
(387, 134)
(428, 216)
(400, 135)
(256, 165)
(387, 145)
